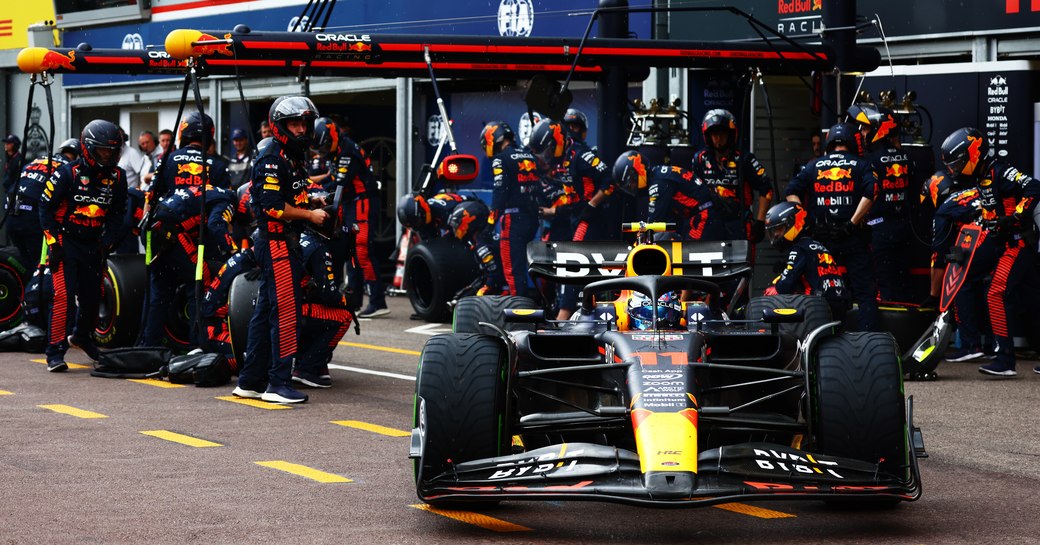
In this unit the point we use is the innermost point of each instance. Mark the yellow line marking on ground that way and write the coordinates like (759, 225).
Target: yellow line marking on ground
(382, 348)
(374, 428)
(181, 438)
(158, 383)
(72, 411)
(6, 393)
(304, 471)
(750, 510)
(254, 403)
(476, 519)
(69, 363)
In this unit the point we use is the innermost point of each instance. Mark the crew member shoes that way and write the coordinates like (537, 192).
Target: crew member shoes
(372, 312)
(283, 394)
(311, 379)
(998, 369)
(57, 366)
(966, 354)
(246, 393)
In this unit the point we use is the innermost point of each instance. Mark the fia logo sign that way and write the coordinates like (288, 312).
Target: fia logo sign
(515, 18)
(435, 130)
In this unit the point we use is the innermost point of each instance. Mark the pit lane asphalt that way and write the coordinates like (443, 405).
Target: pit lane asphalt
(68, 479)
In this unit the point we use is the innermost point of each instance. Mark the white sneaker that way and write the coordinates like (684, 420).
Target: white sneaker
(247, 394)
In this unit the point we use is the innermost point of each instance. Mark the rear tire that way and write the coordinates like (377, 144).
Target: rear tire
(14, 276)
(472, 310)
(241, 300)
(860, 408)
(434, 271)
(815, 309)
(460, 405)
(122, 301)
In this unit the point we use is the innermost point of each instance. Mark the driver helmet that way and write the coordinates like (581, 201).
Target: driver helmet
(668, 308)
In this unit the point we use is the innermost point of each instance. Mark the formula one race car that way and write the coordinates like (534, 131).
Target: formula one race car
(653, 395)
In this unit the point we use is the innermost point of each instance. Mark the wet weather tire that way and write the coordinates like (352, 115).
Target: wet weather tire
(472, 310)
(460, 405)
(815, 309)
(860, 409)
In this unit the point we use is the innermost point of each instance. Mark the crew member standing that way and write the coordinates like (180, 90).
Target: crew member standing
(81, 212)
(23, 218)
(1007, 197)
(280, 203)
(513, 203)
(733, 175)
(889, 218)
(675, 196)
(838, 190)
(359, 209)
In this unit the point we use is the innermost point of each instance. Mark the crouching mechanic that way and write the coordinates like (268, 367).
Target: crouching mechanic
(81, 212)
(465, 218)
(280, 204)
(175, 235)
(810, 268)
(325, 315)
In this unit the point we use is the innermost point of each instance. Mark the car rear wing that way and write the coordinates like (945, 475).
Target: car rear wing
(584, 262)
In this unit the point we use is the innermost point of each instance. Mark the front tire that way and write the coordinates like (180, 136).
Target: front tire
(860, 408)
(460, 405)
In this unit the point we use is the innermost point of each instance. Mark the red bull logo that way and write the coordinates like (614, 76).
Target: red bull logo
(53, 60)
(834, 173)
(190, 168)
(90, 211)
(360, 47)
(527, 165)
(895, 171)
(208, 49)
(726, 192)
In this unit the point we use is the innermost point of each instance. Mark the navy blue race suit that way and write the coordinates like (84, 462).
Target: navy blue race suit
(360, 209)
(175, 246)
(588, 175)
(514, 205)
(1006, 199)
(215, 305)
(889, 220)
(324, 308)
(23, 216)
(278, 180)
(733, 176)
(183, 167)
(476, 233)
(81, 212)
(830, 188)
(675, 196)
(812, 270)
